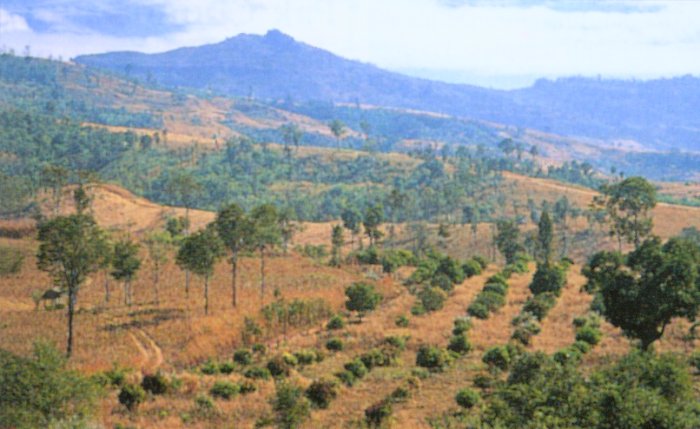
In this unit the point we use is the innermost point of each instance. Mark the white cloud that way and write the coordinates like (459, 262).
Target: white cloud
(425, 34)
(11, 23)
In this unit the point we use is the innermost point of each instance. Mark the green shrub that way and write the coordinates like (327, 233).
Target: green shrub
(548, 278)
(492, 301)
(209, 367)
(224, 389)
(257, 373)
(497, 288)
(362, 297)
(442, 281)
(335, 344)
(459, 344)
(471, 268)
(11, 260)
(540, 304)
(432, 298)
(467, 398)
(131, 396)
(582, 346)
(247, 387)
(203, 405)
(281, 365)
(396, 342)
(567, 356)
(417, 309)
(478, 309)
(243, 357)
(155, 384)
(376, 357)
(462, 325)
(694, 361)
(356, 367)
(369, 256)
(259, 349)
(290, 406)
(116, 376)
(227, 367)
(497, 357)
(433, 358)
(481, 261)
(589, 335)
(402, 321)
(399, 395)
(377, 414)
(450, 268)
(322, 392)
(347, 377)
(498, 278)
(484, 381)
(305, 357)
(336, 322)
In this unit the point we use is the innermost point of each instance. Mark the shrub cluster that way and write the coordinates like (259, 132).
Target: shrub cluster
(434, 358)
(588, 334)
(491, 298)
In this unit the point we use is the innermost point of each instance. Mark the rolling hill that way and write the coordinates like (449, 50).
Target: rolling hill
(658, 114)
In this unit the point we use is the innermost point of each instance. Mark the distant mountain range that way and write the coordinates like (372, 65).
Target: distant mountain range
(658, 114)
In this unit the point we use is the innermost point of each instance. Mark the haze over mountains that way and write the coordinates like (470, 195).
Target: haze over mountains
(659, 114)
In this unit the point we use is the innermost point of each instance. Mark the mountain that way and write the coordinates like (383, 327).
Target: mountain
(658, 114)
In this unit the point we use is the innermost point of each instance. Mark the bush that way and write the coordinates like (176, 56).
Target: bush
(131, 396)
(581, 346)
(442, 281)
(290, 406)
(225, 389)
(226, 367)
(336, 322)
(567, 355)
(335, 344)
(281, 365)
(204, 405)
(347, 377)
(548, 278)
(377, 414)
(479, 310)
(417, 309)
(481, 261)
(155, 384)
(589, 335)
(484, 381)
(259, 349)
(116, 376)
(498, 278)
(257, 373)
(247, 387)
(433, 358)
(321, 393)
(492, 301)
(467, 398)
(399, 395)
(402, 321)
(369, 256)
(497, 288)
(376, 357)
(432, 298)
(209, 367)
(462, 325)
(357, 368)
(471, 268)
(243, 357)
(450, 268)
(305, 357)
(396, 342)
(497, 357)
(694, 361)
(540, 304)
(459, 344)
(362, 298)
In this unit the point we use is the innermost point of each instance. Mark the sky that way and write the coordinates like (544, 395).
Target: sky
(496, 43)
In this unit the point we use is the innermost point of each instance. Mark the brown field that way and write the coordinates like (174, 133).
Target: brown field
(175, 335)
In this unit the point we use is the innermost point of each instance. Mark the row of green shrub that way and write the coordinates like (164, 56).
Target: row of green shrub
(588, 335)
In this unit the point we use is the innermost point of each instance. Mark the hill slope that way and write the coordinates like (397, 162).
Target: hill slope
(659, 114)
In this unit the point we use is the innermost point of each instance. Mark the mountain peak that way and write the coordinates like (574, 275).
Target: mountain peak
(277, 37)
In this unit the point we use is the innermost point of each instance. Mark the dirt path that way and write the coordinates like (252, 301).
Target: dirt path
(151, 353)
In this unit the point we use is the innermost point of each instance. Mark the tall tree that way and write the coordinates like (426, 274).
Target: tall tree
(71, 248)
(184, 189)
(55, 177)
(158, 244)
(125, 264)
(337, 241)
(562, 211)
(352, 220)
(507, 239)
(199, 253)
(374, 216)
(337, 127)
(235, 231)
(628, 203)
(266, 234)
(545, 237)
(642, 292)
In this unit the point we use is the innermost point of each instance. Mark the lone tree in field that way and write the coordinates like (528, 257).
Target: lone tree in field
(374, 216)
(545, 237)
(352, 220)
(266, 234)
(125, 264)
(642, 292)
(184, 189)
(71, 248)
(199, 253)
(628, 204)
(235, 231)
(362, 298)
(337, 241)
(507, 239)
(158, 244)
(338, 129)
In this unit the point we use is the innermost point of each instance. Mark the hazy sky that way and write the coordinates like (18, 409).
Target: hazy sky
(501, 43)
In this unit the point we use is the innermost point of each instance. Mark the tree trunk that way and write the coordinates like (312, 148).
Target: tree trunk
(156, 279)
(126, 294)
(187, 283)
(262, 277)
(106, 288)
(234, 270)
(206, 295)
(71, 312)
